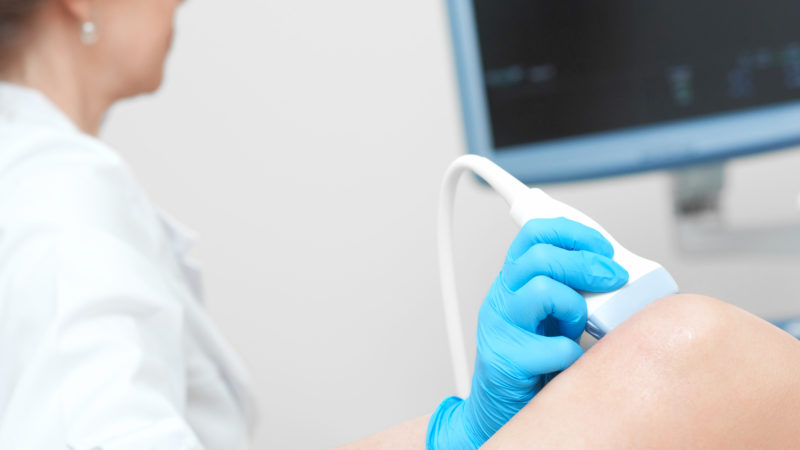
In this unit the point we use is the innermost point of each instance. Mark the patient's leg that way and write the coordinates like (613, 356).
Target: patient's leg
(687, 371)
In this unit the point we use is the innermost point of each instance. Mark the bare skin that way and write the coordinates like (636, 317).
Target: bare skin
(718, 375)
(686, 372)
(84, 81)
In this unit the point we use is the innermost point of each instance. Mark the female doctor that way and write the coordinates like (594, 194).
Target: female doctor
(103, 343)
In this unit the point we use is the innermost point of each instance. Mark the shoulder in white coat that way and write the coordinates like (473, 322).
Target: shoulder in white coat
(102, 343)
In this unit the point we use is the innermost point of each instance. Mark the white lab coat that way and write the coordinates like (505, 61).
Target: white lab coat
(103, 340)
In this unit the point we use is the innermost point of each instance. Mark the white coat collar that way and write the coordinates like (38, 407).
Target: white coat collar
(23, 104)
(182, 237)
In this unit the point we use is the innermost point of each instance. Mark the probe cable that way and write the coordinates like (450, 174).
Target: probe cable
(510, 189)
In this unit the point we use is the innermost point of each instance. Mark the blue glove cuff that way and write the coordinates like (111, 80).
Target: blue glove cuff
(446, 428)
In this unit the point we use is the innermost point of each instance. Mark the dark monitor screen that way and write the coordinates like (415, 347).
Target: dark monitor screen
(565, 68)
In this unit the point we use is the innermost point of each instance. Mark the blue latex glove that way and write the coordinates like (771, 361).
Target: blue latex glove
(528, 327)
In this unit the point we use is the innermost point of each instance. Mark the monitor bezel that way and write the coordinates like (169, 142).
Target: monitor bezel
(635, 149)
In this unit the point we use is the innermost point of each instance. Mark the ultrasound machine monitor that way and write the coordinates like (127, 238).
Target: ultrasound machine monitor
(575, 89)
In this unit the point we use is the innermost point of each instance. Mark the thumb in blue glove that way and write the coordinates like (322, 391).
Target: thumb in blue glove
(528, 327)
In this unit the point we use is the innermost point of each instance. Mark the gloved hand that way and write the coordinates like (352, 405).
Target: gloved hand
(528, 327)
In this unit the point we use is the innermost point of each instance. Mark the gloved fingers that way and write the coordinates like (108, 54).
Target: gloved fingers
(561, 232)
(548, 378)
(542, 297)
(532, 354)
(563, 351)
(581, 270)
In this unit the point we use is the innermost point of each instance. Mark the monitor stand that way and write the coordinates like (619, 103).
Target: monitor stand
(701, 228)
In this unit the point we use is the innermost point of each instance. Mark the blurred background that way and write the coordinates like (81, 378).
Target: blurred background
(305, 141)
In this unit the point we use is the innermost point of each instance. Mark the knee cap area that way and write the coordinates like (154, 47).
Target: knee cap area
(678, 323)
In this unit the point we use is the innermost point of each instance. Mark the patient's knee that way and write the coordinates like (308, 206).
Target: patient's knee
(686, 363)
(670, 335)
(679, 320)
(673, 323)
(679, 333)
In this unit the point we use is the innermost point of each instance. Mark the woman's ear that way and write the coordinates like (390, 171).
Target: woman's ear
(81, 10)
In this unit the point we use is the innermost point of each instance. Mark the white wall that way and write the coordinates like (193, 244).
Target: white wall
(305, 141)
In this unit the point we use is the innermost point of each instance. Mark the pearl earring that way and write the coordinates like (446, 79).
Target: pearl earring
(88, 33)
